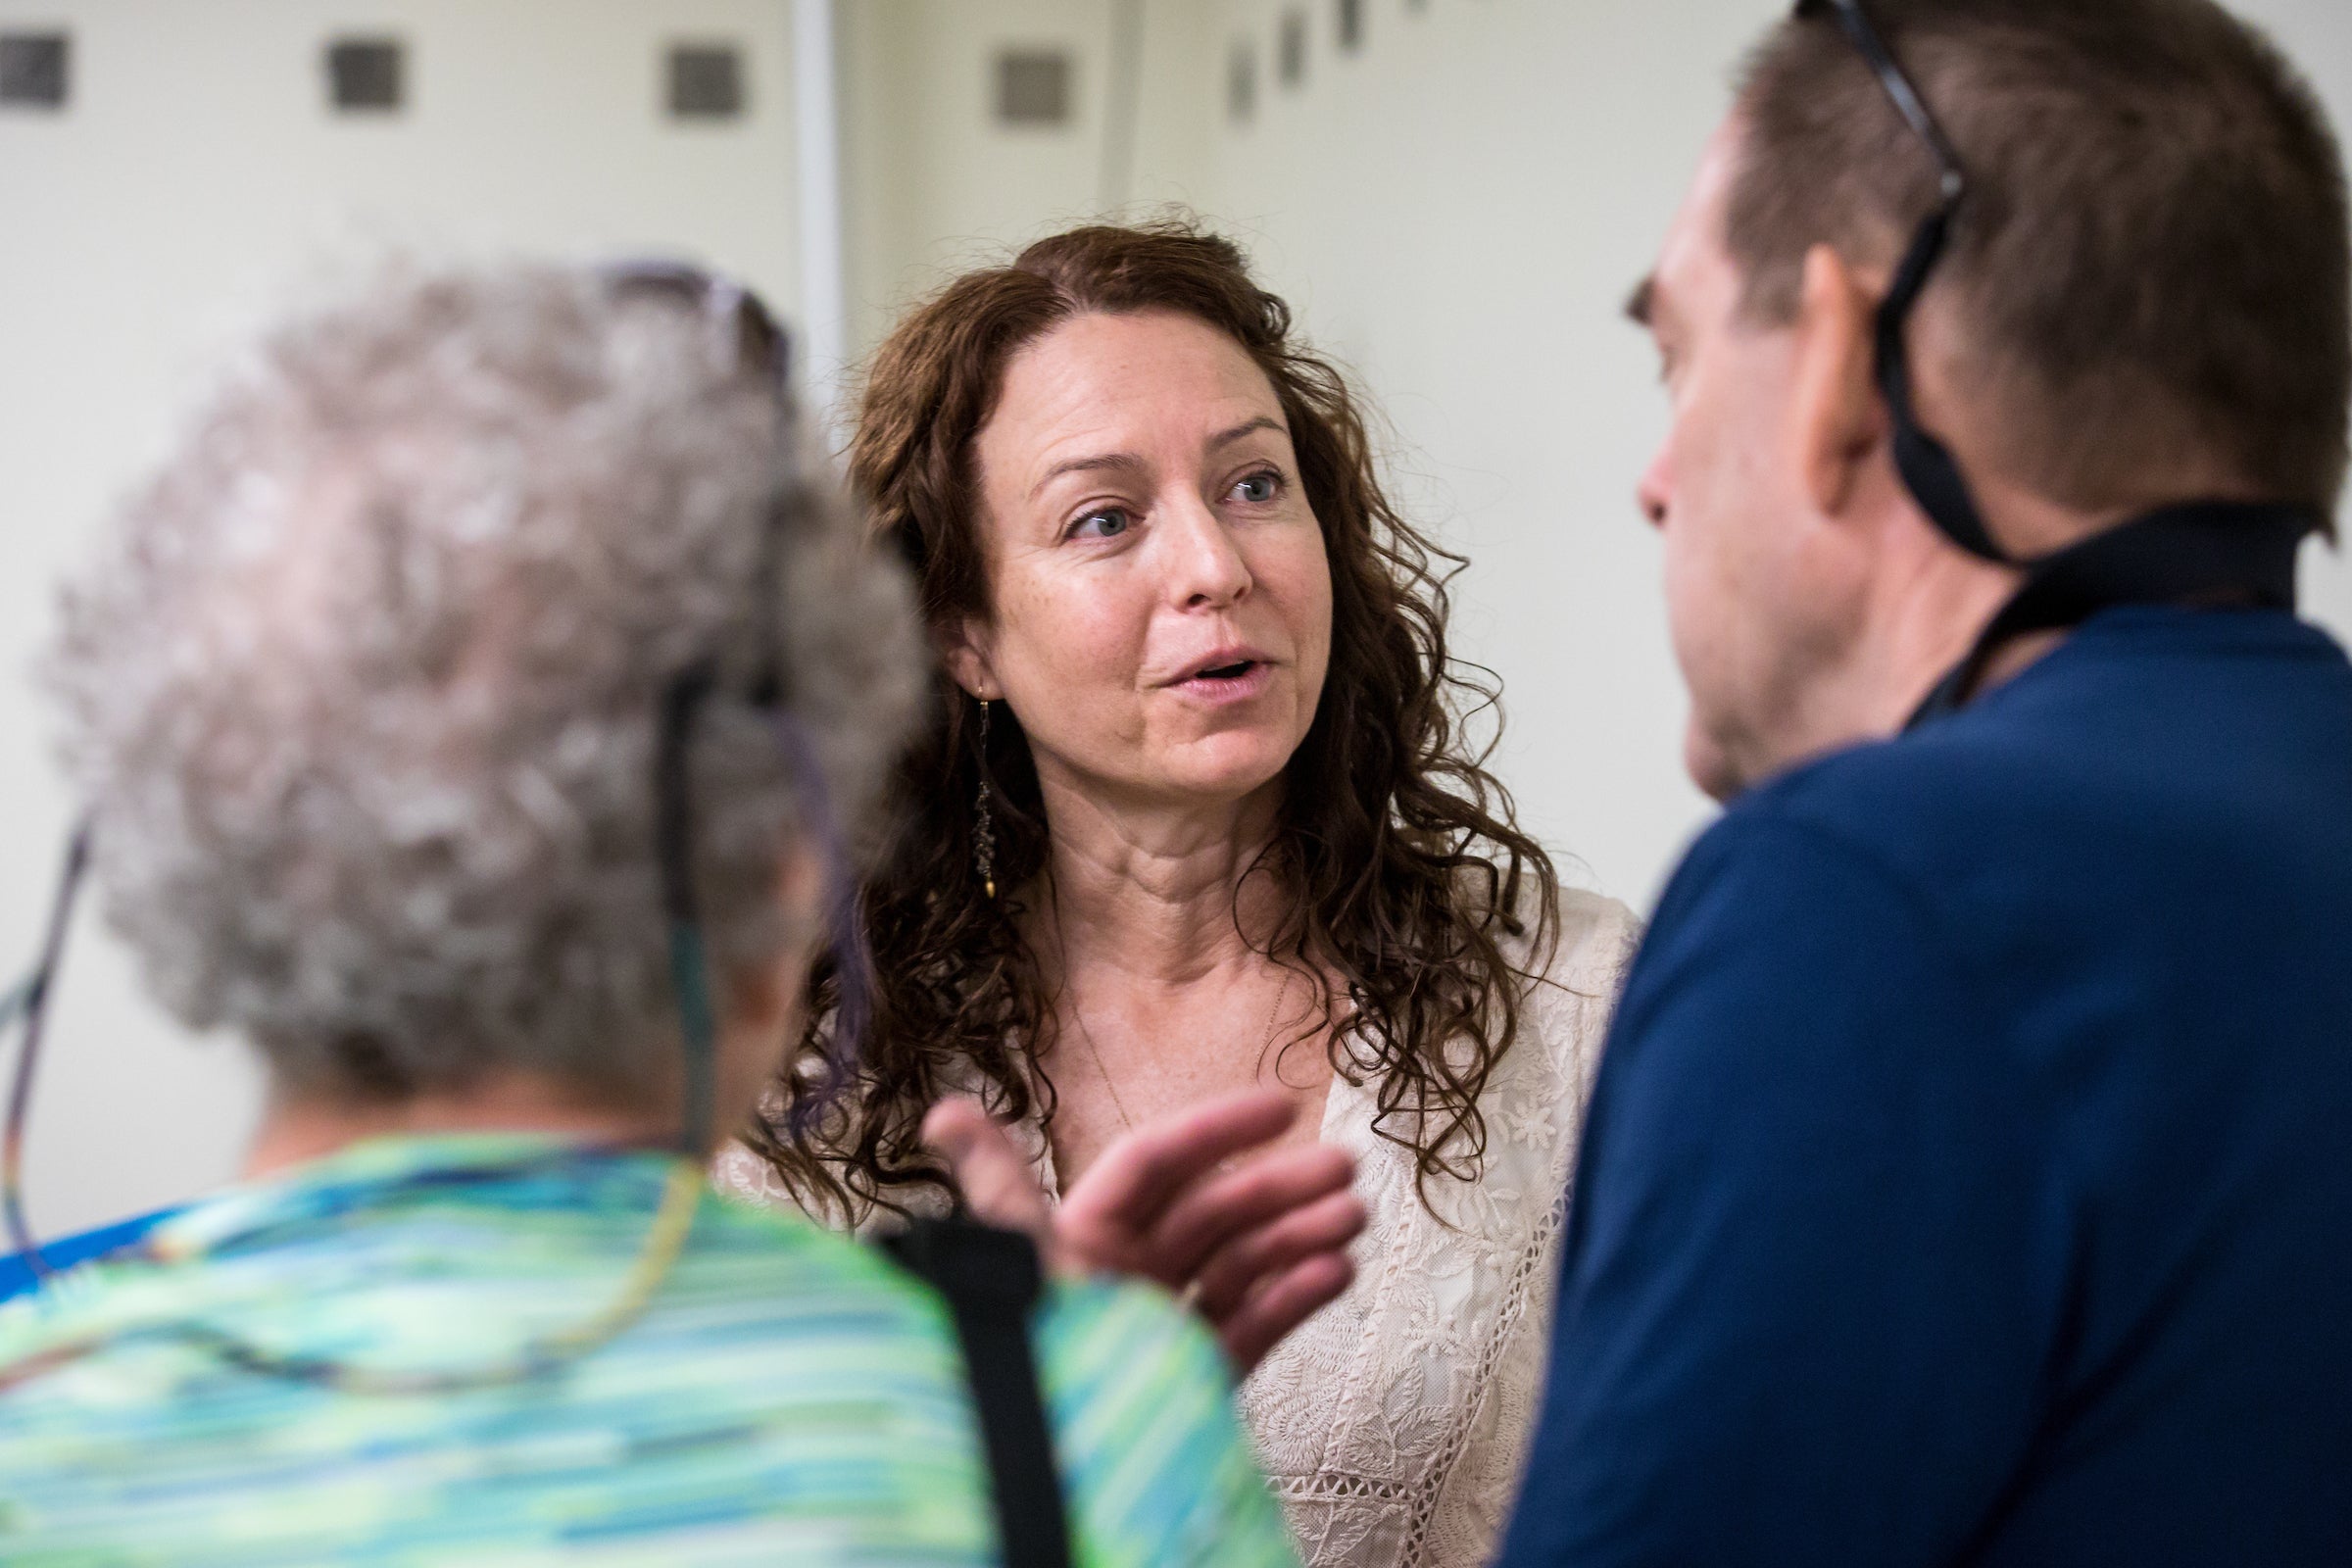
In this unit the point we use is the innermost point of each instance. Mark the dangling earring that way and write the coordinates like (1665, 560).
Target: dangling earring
(984, 834)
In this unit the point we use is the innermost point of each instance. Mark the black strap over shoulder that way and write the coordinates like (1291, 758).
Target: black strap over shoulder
(991, 1280)
(2216, 553)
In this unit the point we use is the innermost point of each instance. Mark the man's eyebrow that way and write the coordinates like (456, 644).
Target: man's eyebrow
(1641, 306)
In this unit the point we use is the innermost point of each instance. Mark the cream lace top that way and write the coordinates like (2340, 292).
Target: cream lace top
(1392, 1423)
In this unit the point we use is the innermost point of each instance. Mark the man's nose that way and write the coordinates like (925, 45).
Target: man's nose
(1652, 493)
(1206, 568)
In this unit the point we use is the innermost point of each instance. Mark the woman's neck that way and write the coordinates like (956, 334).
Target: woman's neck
(1153, 892)
(1154, 934)
(298, 1129)
(764, 1012)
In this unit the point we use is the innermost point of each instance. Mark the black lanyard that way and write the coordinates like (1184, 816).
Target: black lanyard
(991, 1281)
(2236, 554)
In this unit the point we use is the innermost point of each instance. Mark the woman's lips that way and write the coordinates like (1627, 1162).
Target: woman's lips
(1236, 683)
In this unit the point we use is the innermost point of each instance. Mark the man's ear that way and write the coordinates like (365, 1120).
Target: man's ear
(1837, 418)
(962, 646)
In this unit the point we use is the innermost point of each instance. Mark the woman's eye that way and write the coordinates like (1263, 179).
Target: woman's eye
(1108, 523)
(1259, 488)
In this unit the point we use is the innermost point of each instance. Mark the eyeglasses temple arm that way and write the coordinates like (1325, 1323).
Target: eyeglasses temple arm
(689, 960)
(29, 1002)
(1951, 178)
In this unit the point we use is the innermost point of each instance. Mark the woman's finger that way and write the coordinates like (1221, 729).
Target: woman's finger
(1286, 1302)
(998, 1186)
(1260, 1190)
(1246, 1263)
(1144, 1170)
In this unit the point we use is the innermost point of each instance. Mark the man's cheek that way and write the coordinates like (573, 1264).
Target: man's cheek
(1705, 759)
(1695, 630)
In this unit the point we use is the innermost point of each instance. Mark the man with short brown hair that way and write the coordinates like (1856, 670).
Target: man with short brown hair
(1965, 1180)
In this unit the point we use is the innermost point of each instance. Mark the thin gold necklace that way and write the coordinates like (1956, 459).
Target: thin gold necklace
(1094, 1051)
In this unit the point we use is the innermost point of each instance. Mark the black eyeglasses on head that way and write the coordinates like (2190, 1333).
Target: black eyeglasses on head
(1928, 467)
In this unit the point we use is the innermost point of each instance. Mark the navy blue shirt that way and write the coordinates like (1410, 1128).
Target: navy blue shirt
(1968, 1179)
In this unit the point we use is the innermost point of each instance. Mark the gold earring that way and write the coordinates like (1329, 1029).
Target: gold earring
(984, 833)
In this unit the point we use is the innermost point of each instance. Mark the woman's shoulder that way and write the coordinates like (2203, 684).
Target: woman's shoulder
(1573, 981)
(744, 1175)
(1595, 942)
(741, 1172)
(1585, 955)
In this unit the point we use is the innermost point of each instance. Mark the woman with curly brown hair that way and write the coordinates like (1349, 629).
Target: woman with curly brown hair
(1195, 811)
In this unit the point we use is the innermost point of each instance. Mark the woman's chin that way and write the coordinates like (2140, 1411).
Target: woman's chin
(1227, 767)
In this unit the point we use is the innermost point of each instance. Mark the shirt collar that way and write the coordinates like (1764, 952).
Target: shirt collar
(351, 1177)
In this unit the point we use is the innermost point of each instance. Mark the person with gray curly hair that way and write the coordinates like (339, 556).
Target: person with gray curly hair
(471, 714)
(363, 691)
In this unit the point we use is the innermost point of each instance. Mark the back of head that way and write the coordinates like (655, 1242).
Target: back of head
(361, 692)
(2148, 290)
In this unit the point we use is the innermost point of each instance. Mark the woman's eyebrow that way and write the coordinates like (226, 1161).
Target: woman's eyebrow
(1094, 465)
(1249, 428)
(1129, 461)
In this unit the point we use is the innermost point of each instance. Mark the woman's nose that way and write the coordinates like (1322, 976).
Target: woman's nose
(1207, 569)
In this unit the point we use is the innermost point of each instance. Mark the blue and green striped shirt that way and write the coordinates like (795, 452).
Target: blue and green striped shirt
(789, 1396)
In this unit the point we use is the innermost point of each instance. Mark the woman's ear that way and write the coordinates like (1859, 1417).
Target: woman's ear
(1837, 420)
(963, 648)
(766, 1002)
(767, 993)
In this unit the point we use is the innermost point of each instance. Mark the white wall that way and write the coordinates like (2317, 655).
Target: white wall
(195, 177)
(935, 184)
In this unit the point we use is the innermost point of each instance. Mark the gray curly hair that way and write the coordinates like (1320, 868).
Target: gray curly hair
(363, 690)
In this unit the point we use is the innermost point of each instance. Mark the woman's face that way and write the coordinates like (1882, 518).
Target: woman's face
(1160, 602)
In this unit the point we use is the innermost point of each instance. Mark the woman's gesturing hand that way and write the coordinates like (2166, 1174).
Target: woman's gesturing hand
(1257, 1239)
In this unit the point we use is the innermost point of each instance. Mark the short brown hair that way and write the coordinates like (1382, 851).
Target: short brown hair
(1406, 877)
(2150, 272)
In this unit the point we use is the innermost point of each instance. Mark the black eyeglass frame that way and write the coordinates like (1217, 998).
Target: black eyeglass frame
(758, 345)
(1926, 465)
(761, 346)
